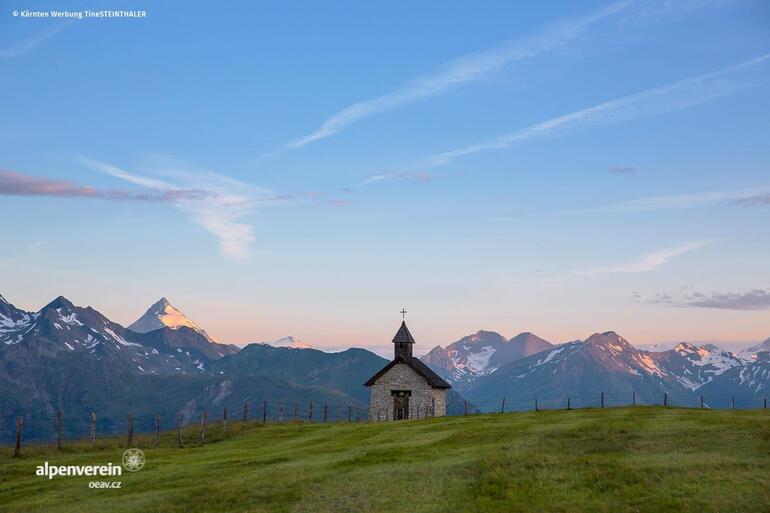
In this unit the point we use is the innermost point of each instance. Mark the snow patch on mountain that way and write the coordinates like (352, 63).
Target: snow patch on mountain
(473, 361)
(290, 342)
(14, 322)
(694, 366)
(12, 331)
(657, 347)
(750, 353)
(70, 320)
(120, 340)
(648, 364)
(550, 356)
(756, 375)
(479, 361)
(709, 355)
(470, 356)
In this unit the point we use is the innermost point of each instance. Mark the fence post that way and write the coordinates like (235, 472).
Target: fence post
(765, 402)
(93, 429)
(502, 405)
(179, 431)
(58, 429)
(296, 410)
(665, 398)
(17, 449)
(633, 398)
(202, 435)
(326, 410)
(602, 399)
(568, 405)
(310, 411)
(245, 411)
(350, 413)
(536, 403)
(280, 412)
(732, 403)
(465, 407)
(157, 429)
(701, 400)
(224, 420)
(432, 406)
(264, 412)
(130, 430)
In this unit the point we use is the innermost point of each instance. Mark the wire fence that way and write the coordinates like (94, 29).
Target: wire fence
(614, 399)
(61, 429)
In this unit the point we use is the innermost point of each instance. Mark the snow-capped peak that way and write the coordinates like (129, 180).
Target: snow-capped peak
(610, 340)
(163, 315)
(685, 349)
(708, 354)
(751, 352)
(704, 363)
(291, 342)
(13, 321)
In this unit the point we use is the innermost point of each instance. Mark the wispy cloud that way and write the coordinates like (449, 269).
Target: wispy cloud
(749, 196)
(222, 210)
(463, 70)
(27, 45)
(19, 184)
(762, 199)
(647, 262)
(757, 299)
(414, 176)
(675, 96)
(672, 9)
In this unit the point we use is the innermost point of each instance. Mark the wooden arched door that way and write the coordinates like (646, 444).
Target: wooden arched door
(400, 404)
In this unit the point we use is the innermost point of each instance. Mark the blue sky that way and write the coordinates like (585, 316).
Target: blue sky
(561, 168)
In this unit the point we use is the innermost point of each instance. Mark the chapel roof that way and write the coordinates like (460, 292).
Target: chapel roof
(416, 365)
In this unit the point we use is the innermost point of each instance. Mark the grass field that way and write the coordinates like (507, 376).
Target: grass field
(613, 460)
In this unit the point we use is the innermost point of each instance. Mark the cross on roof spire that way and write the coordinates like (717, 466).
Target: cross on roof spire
(403, 313)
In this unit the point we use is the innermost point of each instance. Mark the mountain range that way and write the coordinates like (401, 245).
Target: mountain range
(485, 367)
(74, 359)
(480, 354)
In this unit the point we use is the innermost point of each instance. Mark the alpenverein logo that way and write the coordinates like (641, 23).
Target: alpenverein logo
(133, 460)
(51, 471)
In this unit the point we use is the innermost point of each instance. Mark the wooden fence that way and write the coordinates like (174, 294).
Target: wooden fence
(60, 429)
(91, 428)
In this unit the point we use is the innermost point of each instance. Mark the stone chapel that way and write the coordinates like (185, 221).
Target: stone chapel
(406, 388)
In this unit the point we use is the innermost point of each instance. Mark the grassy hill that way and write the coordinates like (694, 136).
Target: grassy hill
(613, 460)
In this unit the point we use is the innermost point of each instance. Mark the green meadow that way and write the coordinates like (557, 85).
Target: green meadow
(605, 460)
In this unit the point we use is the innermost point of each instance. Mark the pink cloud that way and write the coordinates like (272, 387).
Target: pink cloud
(18, 184)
